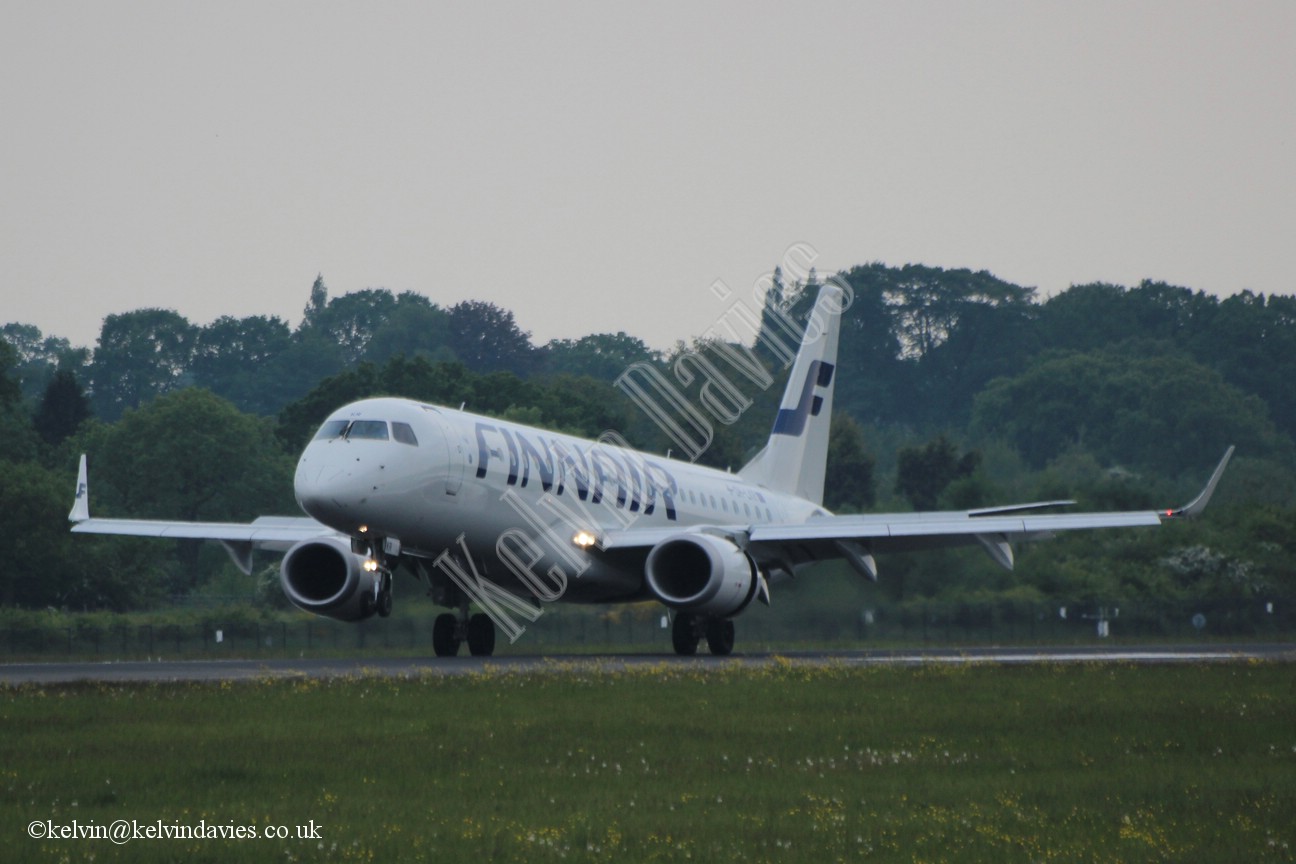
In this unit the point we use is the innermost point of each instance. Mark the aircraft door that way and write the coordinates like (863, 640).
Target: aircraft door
(460, 456)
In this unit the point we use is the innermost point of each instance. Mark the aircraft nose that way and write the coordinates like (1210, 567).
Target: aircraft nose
(329, 491)
(311, 478)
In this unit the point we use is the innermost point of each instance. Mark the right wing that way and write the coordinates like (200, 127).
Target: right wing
(272, 533)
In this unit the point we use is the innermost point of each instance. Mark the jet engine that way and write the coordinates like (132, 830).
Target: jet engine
(325, 577)
(701, 573)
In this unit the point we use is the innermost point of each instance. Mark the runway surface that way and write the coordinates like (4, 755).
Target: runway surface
(234, 670)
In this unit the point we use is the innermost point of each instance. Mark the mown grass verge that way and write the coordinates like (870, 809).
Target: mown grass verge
(782, 762)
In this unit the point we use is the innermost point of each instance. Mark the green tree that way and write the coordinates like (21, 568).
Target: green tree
(923, 473)
(46, 566)
(415, 327)
(63, 408)
(1251, 341)
(583, 406)
(990, 341)
(917, 341)
(350, 321)
(928, 303)
(33, 535)
(317, 303)
(486, 338)
(1134, 406)
(140, 355)
(15, 427)
(1086, 317)
(10, 392)
(40, 356)
(848, 486)
(193, 456)
(310, 358)
(238, 359)
(599, 355)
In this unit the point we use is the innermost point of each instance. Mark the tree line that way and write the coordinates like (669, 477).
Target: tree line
(261, 365)
(955, 389)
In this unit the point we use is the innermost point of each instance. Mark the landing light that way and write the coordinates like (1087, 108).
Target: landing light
(584, 539)
(370, 565)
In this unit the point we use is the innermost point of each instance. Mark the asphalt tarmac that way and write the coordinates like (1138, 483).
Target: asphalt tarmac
(234, 670)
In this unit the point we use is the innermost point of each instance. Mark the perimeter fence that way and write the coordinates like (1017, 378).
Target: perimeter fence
(247, 632)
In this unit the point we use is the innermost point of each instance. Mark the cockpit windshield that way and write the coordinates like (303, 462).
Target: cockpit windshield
(371, 430)
(332, 429)
(365, 430)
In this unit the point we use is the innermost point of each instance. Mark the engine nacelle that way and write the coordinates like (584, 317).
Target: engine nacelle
(701, 573)
(325, 577)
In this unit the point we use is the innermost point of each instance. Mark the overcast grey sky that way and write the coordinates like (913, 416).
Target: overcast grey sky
(597, 166)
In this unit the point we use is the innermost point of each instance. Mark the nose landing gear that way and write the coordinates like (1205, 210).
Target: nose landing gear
(383, 594)
(381, 557)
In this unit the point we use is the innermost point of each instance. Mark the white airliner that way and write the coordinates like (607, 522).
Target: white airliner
(508, 517)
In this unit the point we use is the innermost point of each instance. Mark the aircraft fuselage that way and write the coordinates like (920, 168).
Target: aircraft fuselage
(439, 480)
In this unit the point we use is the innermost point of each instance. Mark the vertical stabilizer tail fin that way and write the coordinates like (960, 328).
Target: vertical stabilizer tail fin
(796, 456)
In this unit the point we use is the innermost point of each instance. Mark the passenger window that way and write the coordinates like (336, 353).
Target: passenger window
(330, 430)
(404, 434)
(371, 430)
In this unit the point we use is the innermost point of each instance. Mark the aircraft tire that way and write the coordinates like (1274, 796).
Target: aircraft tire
(684, 634)
(445, 637)
(720, 636)
(481, 635)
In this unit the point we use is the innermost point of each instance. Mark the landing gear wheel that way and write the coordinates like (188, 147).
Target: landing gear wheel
(445, 635)
(481, 635)
(684, 634)
(385, 597)
(720, 636)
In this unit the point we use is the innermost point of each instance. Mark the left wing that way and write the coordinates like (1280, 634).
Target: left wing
(781, 546)
(273, 533)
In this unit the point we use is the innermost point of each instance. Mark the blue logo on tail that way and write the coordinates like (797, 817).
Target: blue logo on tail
(792, 421)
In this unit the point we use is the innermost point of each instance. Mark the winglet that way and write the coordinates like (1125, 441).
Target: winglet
(1198, 504)
(81, 505)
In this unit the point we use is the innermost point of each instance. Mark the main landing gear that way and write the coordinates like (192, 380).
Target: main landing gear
(450, 630)
(689, 628)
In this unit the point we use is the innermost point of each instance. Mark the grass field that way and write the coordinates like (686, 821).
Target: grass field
(1092, 762)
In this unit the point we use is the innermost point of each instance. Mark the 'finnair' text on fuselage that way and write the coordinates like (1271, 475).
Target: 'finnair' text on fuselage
(594, 471)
